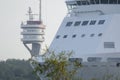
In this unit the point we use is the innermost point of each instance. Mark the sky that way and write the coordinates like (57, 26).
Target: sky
(13, 12)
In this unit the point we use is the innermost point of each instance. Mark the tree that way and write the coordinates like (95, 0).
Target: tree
(57, 66)
(12, 69)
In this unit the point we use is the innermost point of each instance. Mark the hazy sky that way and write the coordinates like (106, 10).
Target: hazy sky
(12, 12)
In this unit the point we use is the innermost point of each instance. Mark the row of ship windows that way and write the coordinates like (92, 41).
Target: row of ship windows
(96, 59)
(96, 65)
(83, 35)
(84, 23)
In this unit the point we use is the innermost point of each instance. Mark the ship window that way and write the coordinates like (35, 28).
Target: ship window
(118, 64)
(101, 22)
(58, 36)
(85, 2)
(69, 23)
(112, 1)
(85, 23)
(92, 35)
(117, 59)
(97, 1)
(104, 1)
(118, 1)
(83, 35)
(77, 23)
(75, 59)
(92, 1)
(92, 22)
(79, 2)
(100, 34)
(109, 45)
(94, 59)
(65, 36)
(74, 36)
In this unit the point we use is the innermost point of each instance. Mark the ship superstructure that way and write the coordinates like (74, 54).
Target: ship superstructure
(91, 28)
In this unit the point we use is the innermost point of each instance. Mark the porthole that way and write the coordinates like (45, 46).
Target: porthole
(58, 36)
(74, 36)
(92, 35)
(100, 34)
(83, 35)
(65, 36)
(118, 65)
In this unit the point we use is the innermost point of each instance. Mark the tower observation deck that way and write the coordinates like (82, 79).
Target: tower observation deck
(33, 33)
(90, 29)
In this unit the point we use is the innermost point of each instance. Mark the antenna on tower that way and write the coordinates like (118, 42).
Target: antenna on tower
(30, 14)
(40, 5)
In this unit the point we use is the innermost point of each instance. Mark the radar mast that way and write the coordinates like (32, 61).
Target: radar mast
(40, 9)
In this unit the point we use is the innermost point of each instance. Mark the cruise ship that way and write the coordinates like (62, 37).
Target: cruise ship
(91, 30)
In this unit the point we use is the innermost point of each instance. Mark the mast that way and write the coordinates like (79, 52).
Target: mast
(30, 14)
(40, 5)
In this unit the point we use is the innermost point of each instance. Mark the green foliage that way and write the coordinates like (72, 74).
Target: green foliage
(16, 70)
(57, 66)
